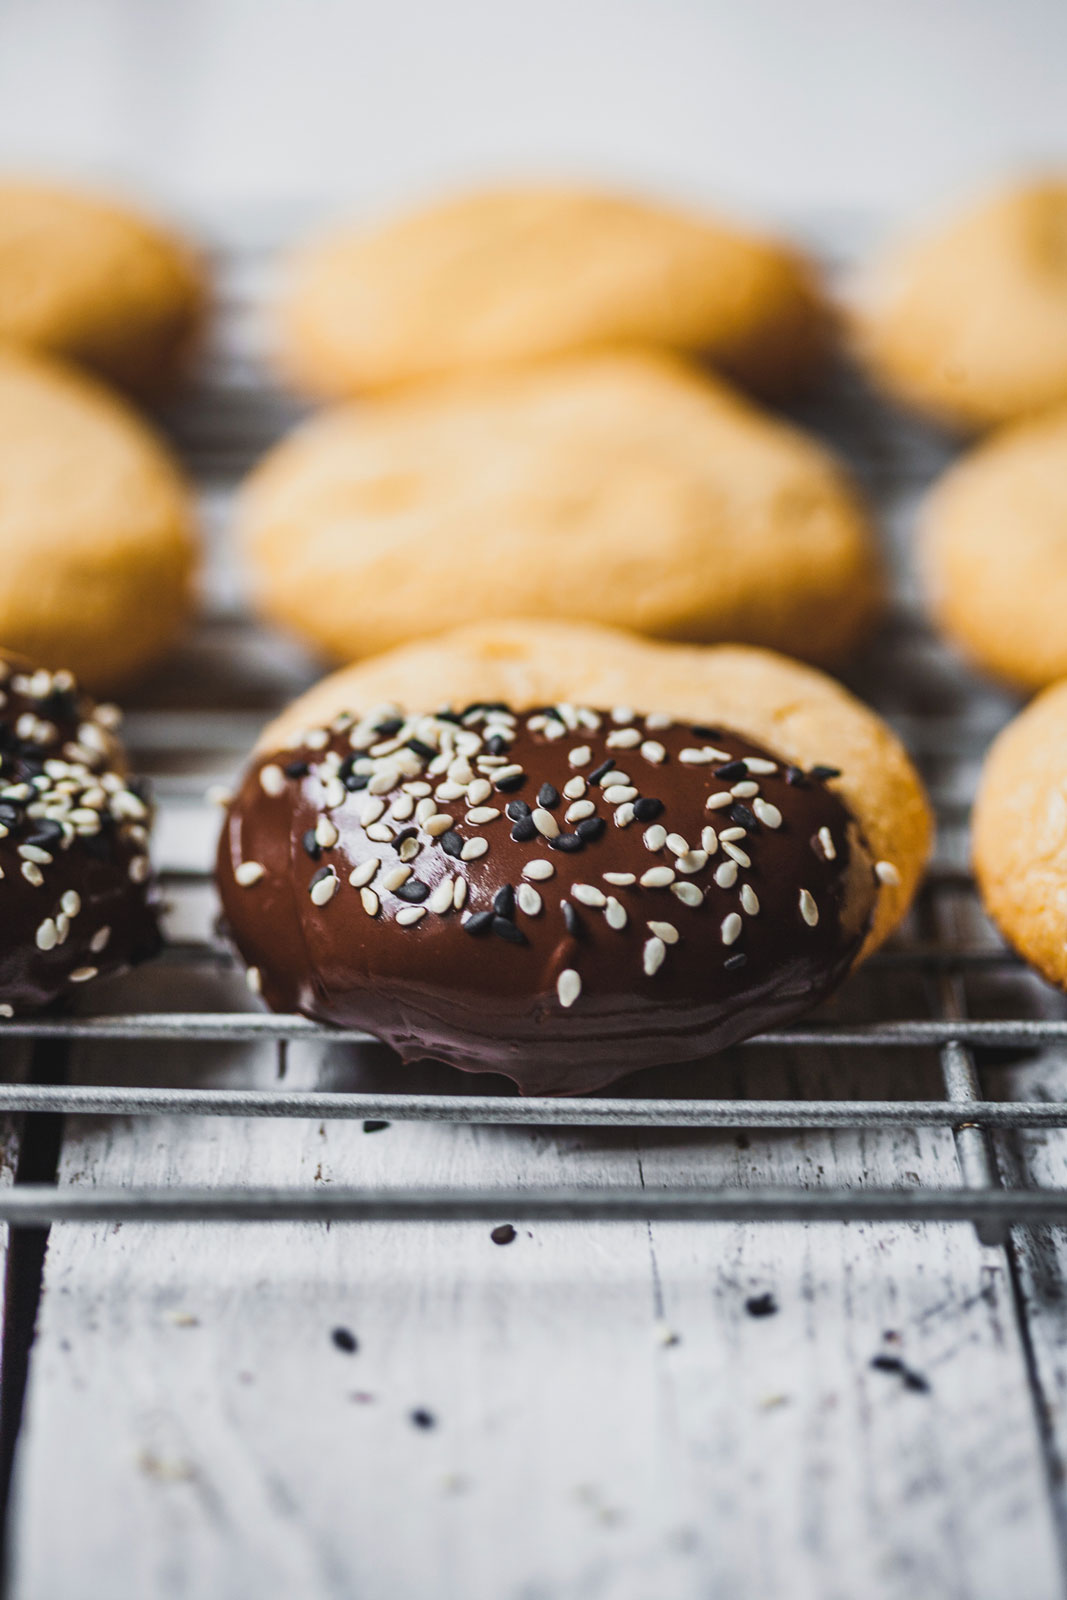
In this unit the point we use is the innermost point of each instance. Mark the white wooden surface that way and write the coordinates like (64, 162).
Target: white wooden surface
(610, 1421)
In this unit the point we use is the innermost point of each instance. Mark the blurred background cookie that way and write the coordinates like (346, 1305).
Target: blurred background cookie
(1020, 834)
(994, 552)
(645, 885)
(97, 551)
(88, 279)
(968, 321)
(626, 489)
(498, 277)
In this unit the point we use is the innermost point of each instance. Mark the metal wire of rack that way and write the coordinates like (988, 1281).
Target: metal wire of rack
(191, 735)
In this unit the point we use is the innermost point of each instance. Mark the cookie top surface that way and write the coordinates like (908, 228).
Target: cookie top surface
(968, 322)
(562, 895)
(96, 539)
(1019, 832)
(994, 552)
(77, 896)
(500, 277)
(89, 280)
(629, 489)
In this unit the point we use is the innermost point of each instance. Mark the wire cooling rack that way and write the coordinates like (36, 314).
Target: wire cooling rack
(946, 988)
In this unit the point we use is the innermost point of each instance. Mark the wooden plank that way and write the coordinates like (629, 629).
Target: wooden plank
(205, 1436)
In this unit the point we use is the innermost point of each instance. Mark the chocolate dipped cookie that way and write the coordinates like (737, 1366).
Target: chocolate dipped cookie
(78, 896)
(562, 889)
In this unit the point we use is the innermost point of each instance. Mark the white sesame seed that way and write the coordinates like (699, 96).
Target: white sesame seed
(323, 889)
(450, 791)
(574, 788)
(768, 814)
(742, 857)
(527, 899)
(657, 878)
(410, 915)
(334, 793)
(654, 952)
(380, 833)
(621, 879)
(665, 931)
(6, 1010)
(83, 974)
(729, 835)
(760, 765)
(371, 810)
(657, 719)
(47, 935)
(887, 873)
(687, 893)
(248, 873)
(479, 791)
(808, 909)
(326, 833)
(677, 844)
(615, 780)
(254, 980)
(709, 840)
(580, 810)
(62, 927)
(440, 900)
(317, 739)
(473, 849)
(424, 810)
(459, 893)
(395, 877)
(362, 875)
(554, 729)
(538, 869)
(568, 986)
(588, 894)
(623, 739)
(437, 824)
(655, 837)
(31, 852)
(387, 777)
(691, 861)
(653, 751)
(624, 815)
(482, 814)
(731, 928)
(139, 869)
(370, 902)
(826, 841)
(614, 913)
(622, 714)
(749, 899)
(502, 774)
(719, 800)
(99, 940)
(402, 808)
(544, 822)
(744, 790)
(726, 874)
(419, 789)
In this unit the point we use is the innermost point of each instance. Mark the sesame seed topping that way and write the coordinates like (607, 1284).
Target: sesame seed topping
(887, 873)
(254, 980)
(719, 800)
(248, 873)
(6, 1010)
(731, 928)
(360, 876)
(615, 913)
(538, 869)
(745, 790)
(545, 822)
(326, 833)
(574, 788)
(138, 869)
(588, 894)
(474, 849)
(568, 986)
(47, 935)
(665, 931)
(409, 915)
(370, 902)
(479, 791)
(272, 780)
(380, 832)
(653, 751)
(83, 974)
(459, 894)
(621, 880)
(624, 815)
(677, 843)
(655, 837)
(396, 876)
(440, 900)
(372, 809)
(623, 739)
(437, 824)
(760, 765)
(742, 857)
(726, 874)
(482, 814)
(691, 861)
(749, 899)
(657, 878)
(324, 886)
(709, 840)
(808, 909)
(826, 844)
(528, 900)
(687, 893)
(580, 756)
(579, 810)
(654, 952)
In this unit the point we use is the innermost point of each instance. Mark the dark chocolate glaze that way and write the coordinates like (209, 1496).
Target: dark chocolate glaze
(490, 1001)
(73, 844)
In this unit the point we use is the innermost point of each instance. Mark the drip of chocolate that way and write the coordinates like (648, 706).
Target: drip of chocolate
(76, 891)
(562, 896)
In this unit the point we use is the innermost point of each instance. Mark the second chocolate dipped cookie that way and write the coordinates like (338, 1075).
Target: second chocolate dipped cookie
(566, 889)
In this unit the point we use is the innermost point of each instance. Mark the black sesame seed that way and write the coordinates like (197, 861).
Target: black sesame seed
(590, 828)
(296, 769)
(647, 809)
(425, 752)
(374, 1125)
(504, 928)
(405, 833)
(141, 787)
(449, 716)
(345, 1340)
(317, 877)
(823, 773)
(352, 780)
(504, 901)
(548, 796)
(735, 963)
(311, 845)
(797, 777)
(886, 1363)
(761, 1305)
(601, 771)
(915, 1381)
(731, 771)
(46, 831)
(423, 1419)
(504, 1233)
(571, 920)
(10, 813)
(702, 731)
(744, 816)
(451, 843)
(516, 809)
(414, 891)
(508, 785)
(497, 745)
(479, 923)
(524, 830)
(567, 842)
(391, 726)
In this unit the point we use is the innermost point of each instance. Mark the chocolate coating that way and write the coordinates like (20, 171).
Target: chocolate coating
(491, 987)
(73, 844)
